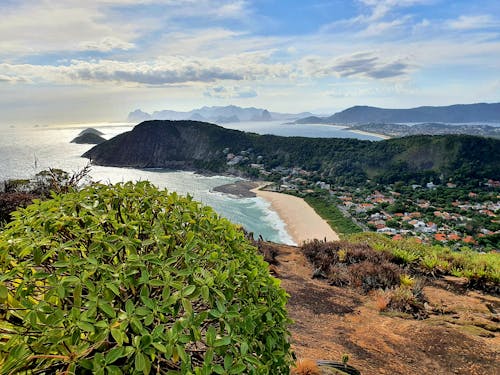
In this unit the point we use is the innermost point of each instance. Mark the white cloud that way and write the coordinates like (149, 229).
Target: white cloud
(166, 71)
(473, 22)
(357, 65)
(36, 27)
(232, 92)
(380, 8)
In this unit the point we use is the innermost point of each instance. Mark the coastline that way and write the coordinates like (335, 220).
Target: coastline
(383, 136)
(302, 222)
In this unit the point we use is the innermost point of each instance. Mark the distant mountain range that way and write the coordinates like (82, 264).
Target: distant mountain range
(457, 114)
(219, 115)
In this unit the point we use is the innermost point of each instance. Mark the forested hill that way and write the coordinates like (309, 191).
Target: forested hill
(192, 145)
(458, 113)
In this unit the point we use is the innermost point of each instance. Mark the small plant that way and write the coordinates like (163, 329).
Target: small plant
(305, 367)
(382, 300)
(345, 358)
(406, 281)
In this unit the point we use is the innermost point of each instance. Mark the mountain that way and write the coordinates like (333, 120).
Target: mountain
(206, 147)
(459, 113)
(219, 115)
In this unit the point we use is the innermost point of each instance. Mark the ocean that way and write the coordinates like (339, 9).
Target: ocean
(26, 151)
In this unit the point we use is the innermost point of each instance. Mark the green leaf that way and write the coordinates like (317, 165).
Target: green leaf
(114, 370)
(222, 341)
(211, 335)
(114, 354)
(218, 369)
(228, 361)
(85, 326)
(114, 289)
(107, 309)
(140, 361)
(205, 293)
(142, 311)
(244, 348)
(188, 290)
(188, 307)
(146, 341)
(4, 292)
(237, 369)
(118, 335)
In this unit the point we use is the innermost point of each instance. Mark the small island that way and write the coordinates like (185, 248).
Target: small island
(89, 136)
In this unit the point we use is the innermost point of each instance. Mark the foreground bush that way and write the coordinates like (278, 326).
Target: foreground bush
(129, 279)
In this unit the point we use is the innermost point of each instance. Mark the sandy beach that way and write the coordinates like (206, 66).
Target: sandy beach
(383, 136)
(302, 222)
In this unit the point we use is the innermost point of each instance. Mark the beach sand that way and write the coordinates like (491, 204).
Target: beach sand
(383, 136)
(302, 222)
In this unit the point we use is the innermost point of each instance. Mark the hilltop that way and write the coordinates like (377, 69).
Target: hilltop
(458, 113)
(459, 336)
(191, 145)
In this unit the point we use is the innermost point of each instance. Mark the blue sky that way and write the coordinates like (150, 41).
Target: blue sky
(96, 60)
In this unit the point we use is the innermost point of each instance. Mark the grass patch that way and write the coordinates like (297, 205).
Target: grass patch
(330, 212)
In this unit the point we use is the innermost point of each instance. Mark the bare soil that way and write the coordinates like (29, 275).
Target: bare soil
(461, 335)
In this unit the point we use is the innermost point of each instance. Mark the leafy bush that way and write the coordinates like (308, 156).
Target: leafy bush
(129, 279)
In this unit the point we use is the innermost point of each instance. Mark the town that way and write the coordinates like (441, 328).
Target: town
(437, 212)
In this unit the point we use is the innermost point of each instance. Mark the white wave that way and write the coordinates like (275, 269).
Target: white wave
(272, 218)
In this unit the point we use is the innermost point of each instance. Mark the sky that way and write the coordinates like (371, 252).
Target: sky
(73, 61)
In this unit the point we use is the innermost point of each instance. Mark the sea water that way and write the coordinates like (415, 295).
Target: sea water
(26, 151)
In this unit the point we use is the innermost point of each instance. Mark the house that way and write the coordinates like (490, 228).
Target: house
(441, 237)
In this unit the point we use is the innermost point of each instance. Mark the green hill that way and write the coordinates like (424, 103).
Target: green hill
(201, 146)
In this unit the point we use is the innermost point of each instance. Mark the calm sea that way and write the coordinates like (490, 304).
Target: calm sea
(26, 151)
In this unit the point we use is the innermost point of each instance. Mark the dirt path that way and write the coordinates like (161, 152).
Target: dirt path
(330, 321)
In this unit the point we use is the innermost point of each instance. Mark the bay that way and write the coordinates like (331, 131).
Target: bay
(25, 151)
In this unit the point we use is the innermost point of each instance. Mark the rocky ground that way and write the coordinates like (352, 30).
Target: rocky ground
(461, 335)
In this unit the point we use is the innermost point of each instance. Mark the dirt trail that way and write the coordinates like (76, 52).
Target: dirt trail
(463, 338)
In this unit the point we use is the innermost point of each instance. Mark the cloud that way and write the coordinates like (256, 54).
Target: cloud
(380, 8)
(473, 22)
(38, 27)
(106, 44)
(234, 92)
(165, 71)
(358, 65)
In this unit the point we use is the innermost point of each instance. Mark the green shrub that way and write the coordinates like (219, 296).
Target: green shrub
(129, 279)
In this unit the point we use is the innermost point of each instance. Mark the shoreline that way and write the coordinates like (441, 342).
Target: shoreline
(302, 222)
(383, 136)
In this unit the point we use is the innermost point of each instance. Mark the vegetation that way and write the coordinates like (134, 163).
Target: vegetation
(330, 212)
(129, 279)
(482, 270)
(196, 145)
(20, 193)
(359, 266)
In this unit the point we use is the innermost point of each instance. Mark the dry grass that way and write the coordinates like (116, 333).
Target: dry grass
(306, 367)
